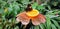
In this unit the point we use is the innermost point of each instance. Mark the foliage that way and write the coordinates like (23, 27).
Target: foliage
(10, 8)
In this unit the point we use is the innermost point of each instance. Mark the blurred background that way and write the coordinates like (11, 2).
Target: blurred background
(10, 8)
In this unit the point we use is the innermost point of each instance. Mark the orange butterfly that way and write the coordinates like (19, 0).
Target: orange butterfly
(32, 15)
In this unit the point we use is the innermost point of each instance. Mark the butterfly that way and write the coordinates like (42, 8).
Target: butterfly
(30, 14)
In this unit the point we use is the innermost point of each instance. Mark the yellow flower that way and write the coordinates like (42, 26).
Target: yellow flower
(32, 13)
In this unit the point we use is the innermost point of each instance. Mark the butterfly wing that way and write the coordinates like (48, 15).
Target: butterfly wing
(23, 18)
(38, 19)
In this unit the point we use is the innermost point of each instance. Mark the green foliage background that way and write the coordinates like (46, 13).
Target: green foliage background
(10, 8)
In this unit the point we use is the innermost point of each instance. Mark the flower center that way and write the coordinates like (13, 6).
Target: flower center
(32, 13)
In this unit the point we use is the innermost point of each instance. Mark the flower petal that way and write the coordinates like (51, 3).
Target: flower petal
(18, 20)
(38, 19)
(23, 18)
(42, 18)
(35, 21)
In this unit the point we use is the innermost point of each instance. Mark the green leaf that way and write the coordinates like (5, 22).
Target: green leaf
(42, 26)
(36, 27)
(1, 11)
(0, 27)
(40, 7)
(48, 22)
(25, 1)
(53, 26)
(56, 23)
(34, 5)
(32, 27)
(16, 27)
